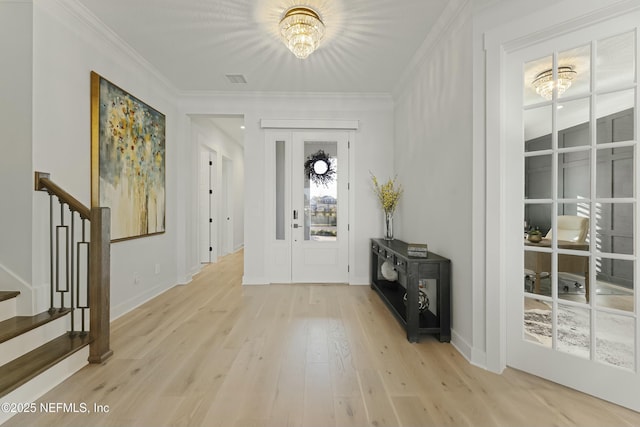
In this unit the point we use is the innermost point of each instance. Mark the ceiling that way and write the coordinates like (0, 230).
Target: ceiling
(194, 44)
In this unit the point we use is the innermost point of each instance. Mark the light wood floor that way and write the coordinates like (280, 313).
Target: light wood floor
(214, 353)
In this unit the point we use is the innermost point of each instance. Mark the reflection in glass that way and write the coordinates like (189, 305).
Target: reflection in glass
(573, 330)
(537, 178)
(537, 268)
(614, 283)
(615, 172)
(614, 339)
(614, 228)
(573, 275)
(574, 173)
(320, 200)
(573, 122)
(615, 116)
(537, 128)
(537, 216)
(615, 63)
(537, 322)
(573, 224)
(579, 60)
(532, 70)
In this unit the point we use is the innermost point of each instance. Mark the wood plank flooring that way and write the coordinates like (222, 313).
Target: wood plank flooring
(215, 353)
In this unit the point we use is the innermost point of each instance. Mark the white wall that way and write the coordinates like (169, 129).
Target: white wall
(204, 132)
(372, 151)
(68, 44)
(16, 175)
(433, 160)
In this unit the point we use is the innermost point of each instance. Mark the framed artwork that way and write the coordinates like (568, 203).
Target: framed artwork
(127, 161)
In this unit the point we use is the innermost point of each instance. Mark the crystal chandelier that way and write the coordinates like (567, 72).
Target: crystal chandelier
(301, 29)
(544, 83)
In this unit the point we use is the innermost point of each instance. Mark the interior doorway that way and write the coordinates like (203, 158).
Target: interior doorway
(218, 142)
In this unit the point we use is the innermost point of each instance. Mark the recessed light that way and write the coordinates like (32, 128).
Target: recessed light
(242, 127)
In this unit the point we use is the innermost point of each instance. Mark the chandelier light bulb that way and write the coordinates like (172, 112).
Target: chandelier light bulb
(544, 83)
(301, 29)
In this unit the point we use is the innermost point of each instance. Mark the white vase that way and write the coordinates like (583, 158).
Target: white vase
(388, 226)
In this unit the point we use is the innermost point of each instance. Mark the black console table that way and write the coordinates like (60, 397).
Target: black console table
(410, 271)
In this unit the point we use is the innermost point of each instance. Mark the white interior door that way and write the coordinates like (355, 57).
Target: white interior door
(206, 229)
(308, 193)
(572, 157)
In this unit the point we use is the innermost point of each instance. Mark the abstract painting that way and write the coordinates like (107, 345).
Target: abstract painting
(127, 161)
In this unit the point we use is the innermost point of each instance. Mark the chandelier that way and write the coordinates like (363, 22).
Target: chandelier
(301, 29)
(544, 83)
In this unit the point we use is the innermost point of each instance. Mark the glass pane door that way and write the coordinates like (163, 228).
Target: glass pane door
(571, 209)
(579, 202)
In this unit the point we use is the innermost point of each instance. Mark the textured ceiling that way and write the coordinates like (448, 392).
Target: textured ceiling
(195, 43)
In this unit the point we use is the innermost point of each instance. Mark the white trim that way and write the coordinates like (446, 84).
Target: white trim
(80, 14)
(535, 27)
(308, 124)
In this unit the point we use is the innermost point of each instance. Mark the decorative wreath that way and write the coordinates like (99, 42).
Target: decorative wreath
(319, 168)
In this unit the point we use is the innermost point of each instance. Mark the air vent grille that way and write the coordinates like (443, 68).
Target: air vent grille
(236, 78)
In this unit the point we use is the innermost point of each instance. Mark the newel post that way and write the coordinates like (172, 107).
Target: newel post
(100, 284)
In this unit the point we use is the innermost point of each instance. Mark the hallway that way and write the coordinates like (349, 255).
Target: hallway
(214, 353)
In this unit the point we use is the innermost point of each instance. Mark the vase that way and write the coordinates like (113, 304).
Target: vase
(388, 226)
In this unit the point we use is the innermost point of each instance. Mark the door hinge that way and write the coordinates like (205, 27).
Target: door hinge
(210, 163)
(210, 249)
(210, 219)
(348, 144)
(348, 227)
(348, 186)
(348, 268)
(210, 191)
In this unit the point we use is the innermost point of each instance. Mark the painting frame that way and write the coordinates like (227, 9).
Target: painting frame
(128, 161)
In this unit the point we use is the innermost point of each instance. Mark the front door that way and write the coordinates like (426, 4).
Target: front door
(309, 181)
(572, 147)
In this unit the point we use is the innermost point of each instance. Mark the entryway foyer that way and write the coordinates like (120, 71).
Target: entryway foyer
(215, 353)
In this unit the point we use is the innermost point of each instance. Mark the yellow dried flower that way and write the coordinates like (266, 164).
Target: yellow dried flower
(388, 193)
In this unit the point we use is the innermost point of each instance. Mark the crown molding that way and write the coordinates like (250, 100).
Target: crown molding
(446, 20)
(581, 21)
(80, 14)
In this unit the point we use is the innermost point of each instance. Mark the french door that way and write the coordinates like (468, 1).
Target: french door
(572, 162)
(309, 201)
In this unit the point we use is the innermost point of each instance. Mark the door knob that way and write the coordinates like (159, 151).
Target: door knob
(296, 226)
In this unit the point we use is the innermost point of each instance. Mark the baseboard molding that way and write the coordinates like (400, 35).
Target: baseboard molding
(463, 347)
(360, 281)
(473, 355)
(238, 248)
(250, 281)
(138, 300)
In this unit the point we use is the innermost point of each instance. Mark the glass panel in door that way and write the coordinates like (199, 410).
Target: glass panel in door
(578, 163)
(321, 191)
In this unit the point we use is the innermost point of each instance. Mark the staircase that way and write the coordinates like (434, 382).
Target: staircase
(39, 351)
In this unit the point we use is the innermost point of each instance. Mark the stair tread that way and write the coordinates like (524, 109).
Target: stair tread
(28, 366)
(18, 325)
(6, 295)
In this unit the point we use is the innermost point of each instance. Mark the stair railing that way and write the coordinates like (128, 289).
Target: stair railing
(79, 265)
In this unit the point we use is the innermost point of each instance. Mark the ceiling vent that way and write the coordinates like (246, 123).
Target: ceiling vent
(236, 78)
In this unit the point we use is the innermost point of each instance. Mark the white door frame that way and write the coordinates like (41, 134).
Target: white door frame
(278, 252)
(497, 44)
